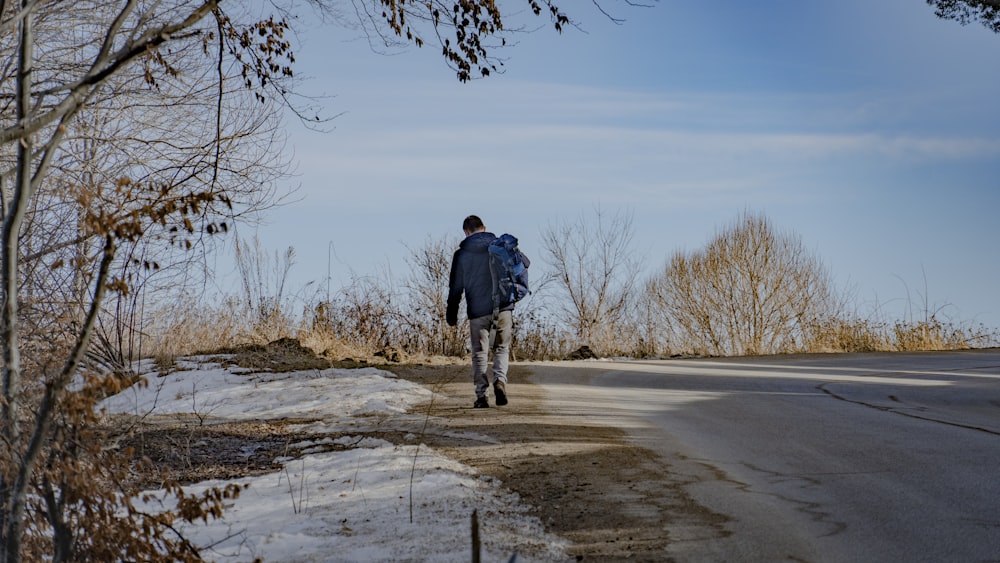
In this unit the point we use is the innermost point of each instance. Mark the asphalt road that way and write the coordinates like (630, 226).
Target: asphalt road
(868, 457)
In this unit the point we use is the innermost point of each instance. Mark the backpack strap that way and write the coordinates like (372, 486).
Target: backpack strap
(495, 278)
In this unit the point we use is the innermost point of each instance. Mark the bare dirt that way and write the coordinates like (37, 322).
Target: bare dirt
(613, 500)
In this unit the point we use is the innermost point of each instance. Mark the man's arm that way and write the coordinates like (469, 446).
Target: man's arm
(455, 289)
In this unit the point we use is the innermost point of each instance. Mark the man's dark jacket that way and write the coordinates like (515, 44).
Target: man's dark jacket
(470, 272)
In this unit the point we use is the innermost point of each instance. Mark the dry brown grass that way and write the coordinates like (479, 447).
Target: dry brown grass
(863, 335)
(845, 335)
(329, 346)
(178, 330)
(932, 334)
(199, 330)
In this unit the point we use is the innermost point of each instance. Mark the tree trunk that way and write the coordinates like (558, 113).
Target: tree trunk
(14, 497)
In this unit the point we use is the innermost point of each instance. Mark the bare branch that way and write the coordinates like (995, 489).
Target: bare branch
(104, 66)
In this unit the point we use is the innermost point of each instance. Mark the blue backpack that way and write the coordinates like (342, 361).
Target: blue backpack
(510, 271)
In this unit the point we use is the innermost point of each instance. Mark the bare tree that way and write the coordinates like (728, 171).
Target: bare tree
(596, 271)
(88, 83)
(752, 290)
(203, 126)
(427, 292)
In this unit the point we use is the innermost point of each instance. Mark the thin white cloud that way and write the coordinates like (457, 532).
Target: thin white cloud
(443, 151)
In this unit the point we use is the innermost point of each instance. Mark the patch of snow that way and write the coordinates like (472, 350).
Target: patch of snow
(375, 501)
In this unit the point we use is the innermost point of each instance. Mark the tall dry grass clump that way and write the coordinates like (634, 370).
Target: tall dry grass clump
(536, 337)
(857, 334)
(187, 327)
(264, 303)
(845, 334)
(933, 334)
(363, 316)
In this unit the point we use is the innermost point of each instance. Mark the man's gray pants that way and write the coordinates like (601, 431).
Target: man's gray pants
(479, 332)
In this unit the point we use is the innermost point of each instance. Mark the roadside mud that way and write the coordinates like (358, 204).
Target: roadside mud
(611, 499)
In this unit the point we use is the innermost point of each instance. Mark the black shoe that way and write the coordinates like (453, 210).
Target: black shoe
(481, 403)
(501, 392)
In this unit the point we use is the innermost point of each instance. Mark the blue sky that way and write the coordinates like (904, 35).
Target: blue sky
(870, 129)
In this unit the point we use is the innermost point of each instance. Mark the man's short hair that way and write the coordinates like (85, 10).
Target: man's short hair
(472, 224)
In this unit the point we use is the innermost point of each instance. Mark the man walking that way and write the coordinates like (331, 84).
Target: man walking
(470, 274)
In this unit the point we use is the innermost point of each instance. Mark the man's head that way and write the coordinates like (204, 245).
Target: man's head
(473, 224)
